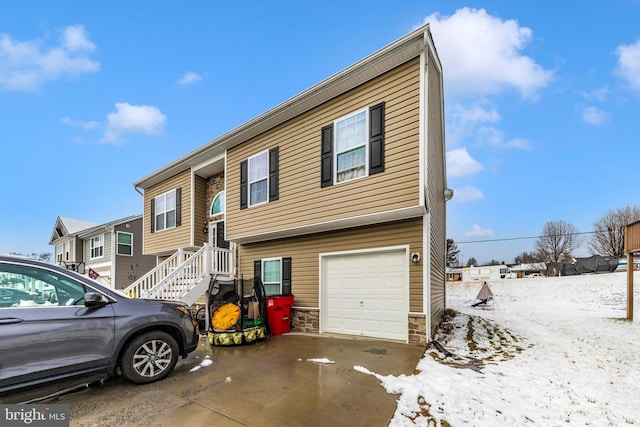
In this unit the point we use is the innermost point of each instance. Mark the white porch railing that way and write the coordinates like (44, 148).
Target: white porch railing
(179, 274)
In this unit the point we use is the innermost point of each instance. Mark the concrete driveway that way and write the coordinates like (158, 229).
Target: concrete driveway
(268, 383)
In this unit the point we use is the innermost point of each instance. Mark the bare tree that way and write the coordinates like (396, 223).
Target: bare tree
(528, 258)
(557, 242)
(472, 262)
(608, 236)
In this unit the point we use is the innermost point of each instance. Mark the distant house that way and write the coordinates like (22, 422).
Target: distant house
(110, 253)
(487, 272)
(529, 270)
(454, 274)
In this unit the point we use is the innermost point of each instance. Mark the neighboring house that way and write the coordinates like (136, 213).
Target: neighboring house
(487, 272)
(336, 196)
(535, 269)
(454, 274)
(111, 252)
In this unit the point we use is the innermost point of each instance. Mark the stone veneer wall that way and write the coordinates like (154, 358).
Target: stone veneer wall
(309, 321)
(215, 184)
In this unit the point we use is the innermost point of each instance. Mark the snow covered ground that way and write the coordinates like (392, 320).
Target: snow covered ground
(552, 352)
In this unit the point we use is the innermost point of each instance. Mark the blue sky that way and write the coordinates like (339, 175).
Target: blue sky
(542, 101)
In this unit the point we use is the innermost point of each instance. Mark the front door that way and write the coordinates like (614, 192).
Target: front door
(216, 235)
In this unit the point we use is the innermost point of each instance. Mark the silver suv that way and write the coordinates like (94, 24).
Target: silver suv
(69, 330)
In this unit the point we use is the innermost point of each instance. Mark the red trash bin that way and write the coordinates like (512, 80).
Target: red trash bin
(279, 313)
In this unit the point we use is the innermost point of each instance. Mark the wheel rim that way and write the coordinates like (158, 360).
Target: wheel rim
(152, 358)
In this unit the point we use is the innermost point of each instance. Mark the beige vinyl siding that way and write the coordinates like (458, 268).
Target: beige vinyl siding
(106, 250)
(436, 187)
(305, 252)
(302, 201)
(173, 238)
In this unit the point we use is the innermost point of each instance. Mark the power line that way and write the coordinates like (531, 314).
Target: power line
(507, 239)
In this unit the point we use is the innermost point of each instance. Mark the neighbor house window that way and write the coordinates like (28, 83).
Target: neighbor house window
(218, 204)
(59, 251)
(272, 276)
(97, 246)
(351, 147)
(125, 243)
(165, 211)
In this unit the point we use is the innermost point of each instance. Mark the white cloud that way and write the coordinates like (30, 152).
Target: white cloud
(628, 67)
(594, 116)
(482, 54)
(78, 123)
(598, 94)
(464, 121)
(496, 138)
(25, 66)
(189, 78)
(460, 163)
(467, 194)
(129, 119)
(477, 231)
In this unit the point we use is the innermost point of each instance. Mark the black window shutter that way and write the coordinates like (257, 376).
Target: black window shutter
(178, 207)
(376, 139)
(273, 174)
(326, 175)
(257, 268)
(286, 276)
(244, 178)
(153, 215)
(220, 241)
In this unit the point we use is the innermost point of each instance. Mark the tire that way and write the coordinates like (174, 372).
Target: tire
(149, 357)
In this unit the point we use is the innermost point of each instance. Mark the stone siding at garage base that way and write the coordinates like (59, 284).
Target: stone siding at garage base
(308, 321)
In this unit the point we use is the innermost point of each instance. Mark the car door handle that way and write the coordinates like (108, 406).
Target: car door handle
(7, 320)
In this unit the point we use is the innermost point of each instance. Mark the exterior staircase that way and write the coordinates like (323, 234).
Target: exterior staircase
(184, 276)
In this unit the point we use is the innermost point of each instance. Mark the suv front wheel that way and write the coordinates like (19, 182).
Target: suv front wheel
(149, 357)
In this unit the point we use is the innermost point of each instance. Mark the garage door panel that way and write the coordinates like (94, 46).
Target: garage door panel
(366, 294)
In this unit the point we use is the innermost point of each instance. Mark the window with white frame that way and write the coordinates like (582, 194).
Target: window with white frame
(259, 178)
(59, 252)
(272, 276)
(97, 246)
(165, 211)
(351, 146)
(218, 204)
(125, 243)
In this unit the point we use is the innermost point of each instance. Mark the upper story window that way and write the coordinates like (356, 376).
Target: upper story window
(218, 205)
(59, 252)
(166, 210)
(97, 246)
(259, 176)
(125, 243)
(353, 146)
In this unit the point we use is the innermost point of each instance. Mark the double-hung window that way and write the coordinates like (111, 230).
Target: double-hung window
(125, 243)
(351, 146)
(258, 178)
(165, 211)
(272, 276)
(97, 246)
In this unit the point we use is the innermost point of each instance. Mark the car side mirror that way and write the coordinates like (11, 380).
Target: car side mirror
(94, 300)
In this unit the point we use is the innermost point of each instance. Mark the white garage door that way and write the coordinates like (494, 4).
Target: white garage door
(366, 294)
